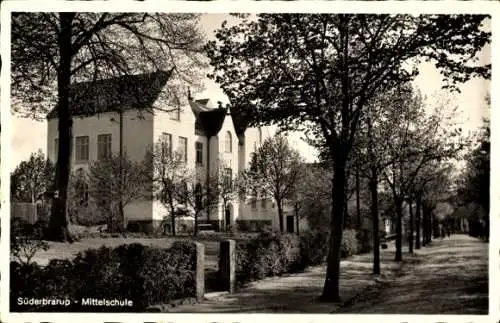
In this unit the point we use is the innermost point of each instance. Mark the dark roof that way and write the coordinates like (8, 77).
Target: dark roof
(240, 121)
(208, 120)
(138, 91)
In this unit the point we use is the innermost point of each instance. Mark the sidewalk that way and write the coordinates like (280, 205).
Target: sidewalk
(299, 293)
(450, 277)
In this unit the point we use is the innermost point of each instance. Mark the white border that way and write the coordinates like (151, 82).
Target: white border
(221, 6)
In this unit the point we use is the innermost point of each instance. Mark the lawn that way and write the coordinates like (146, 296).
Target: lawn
(59, 250)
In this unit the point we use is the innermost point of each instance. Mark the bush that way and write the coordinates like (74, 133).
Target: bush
(269, 254)
(26, 240)
(145, 275)
(314, 247)
(350, 243)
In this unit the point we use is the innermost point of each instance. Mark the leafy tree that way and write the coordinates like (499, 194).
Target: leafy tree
(274, 171)
(51, 51)
(110, 193)
(168, 169)
(316, 72)
(474, 184)
(31, 178)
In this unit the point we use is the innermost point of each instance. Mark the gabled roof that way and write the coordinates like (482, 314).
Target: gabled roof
(138, 91)
(208, 120)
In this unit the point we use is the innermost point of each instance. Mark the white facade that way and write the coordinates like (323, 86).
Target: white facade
(139, 135)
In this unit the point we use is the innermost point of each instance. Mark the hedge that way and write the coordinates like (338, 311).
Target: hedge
(145, 275)
(274, 254)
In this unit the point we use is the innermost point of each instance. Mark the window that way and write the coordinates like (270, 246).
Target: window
(56, 148)
(175, 114)
(229, 142)
(82, 149)
(104, 146)
(199, 152)
(183, 147)
(228, 177)
(166, 144)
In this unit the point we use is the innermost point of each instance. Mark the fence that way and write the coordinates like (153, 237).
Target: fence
(25, 211)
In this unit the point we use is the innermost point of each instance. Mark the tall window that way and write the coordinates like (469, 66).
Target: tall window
(228, 176)
(199, 152)
(82, 149)
(176, 114)
(183, 147)
(198, 196)
(56, 148)
(166, 144)
(253, 201)
(229, 142)
(104, 146)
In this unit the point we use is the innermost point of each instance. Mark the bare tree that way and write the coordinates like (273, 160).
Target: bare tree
(112, 193)
(168, 169)
(51, 51)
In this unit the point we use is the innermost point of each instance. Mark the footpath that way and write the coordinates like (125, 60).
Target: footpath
(449, 276)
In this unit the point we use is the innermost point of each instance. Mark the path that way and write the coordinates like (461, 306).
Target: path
(297, 293)
(450, 277)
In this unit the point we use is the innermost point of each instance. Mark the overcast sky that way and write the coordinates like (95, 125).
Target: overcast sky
(28, 136)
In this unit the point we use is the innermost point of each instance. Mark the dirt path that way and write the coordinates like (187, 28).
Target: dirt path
(448, 277)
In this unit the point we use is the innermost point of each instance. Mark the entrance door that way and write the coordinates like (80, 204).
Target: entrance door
(289, 223)
(229, 209)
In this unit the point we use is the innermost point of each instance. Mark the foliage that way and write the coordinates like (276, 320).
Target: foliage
(269, 254)
(168, 171)
(314, 247)
(274, 171)
(51, 51)
(145, 275)
(106, 189)
(317, 72)
(25, 241)
(31, 178)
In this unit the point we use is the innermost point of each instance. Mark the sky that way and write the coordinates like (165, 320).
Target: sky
(29, 136)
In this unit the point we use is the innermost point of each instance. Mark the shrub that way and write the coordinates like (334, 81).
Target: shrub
(25, 240)
(143, 274)
(314, 247)
(269, 254)
(349, 245)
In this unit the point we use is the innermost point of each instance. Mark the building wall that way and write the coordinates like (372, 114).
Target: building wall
(137, 135)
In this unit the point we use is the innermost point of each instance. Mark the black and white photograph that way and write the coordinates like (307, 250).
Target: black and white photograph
(270, 162)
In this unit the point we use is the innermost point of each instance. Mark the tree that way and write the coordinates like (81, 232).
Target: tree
(274, 170)
(226, 186)
(50, 51)
(110, 193)
(198, 194)
(474, 182)
(168, 170)
(31, 178)
(317, 72)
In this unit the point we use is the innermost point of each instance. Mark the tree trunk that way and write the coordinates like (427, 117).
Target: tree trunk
(297, 220)
(280, 214)
(410, 234)
(358, 200)
(417, 225)
(58, 224)
(195, 233)
(120, 180)
(399, 230)
(331, 287)
(172, 218)
(375, 219)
